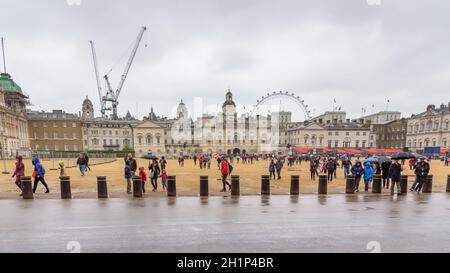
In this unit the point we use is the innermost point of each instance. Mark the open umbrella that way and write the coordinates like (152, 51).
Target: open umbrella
(404, 155)
(150, 157)
(370, 160)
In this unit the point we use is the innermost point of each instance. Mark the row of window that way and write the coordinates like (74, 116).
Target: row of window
(57, 147)
(429, 125)
(56, 135)
(111, 142)
(105, 132)
(427, 143)
(54, 124)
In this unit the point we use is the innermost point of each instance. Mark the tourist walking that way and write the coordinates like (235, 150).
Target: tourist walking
(133, 164)
(368, 174)
(330, 169)
(313, 169)
(346, 164)
(357, 170)
(395, 171)
(385, 166)
(38, 175)
(225, 169)
(81, 162)
(19, 172)
(143, 176)
(154, 172)
(86, 157)
(163, 163)
(128, 175)
(279, 167)
(422, 170)
(195, 160)
(271, 169)
(164, 179)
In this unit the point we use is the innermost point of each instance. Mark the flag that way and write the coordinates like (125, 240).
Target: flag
(334, 100)
(388, 100)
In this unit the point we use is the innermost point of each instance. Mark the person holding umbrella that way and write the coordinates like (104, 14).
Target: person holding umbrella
(422, 170)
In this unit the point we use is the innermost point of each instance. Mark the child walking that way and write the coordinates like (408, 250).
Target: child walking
(164, 179)
(143, 176)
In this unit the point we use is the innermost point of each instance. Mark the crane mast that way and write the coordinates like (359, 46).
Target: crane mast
(111, 95)
(97, 77)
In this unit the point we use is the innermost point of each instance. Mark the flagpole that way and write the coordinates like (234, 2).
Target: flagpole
(3, 52)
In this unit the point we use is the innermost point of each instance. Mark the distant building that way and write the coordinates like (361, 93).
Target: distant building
(330, 117)
(380, 117)
(55, 131)
(13, 122)
(390, 134)
(102, 134)
(329, 135)
(429, 129)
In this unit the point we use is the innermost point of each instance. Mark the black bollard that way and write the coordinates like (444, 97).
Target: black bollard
(376, 183)
(66, 192)
(27, 188)
(171, 185)
(403, 184)
(323, 184)
(265, 185)
(235, 187)
(204, 187)
(448, 183)
(295, 185)
(428, 185)
(350, 184)
(137, 187)
(102, 187)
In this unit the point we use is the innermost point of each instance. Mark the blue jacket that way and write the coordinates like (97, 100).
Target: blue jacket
(368, 172)
(272, 166)
(38, 167)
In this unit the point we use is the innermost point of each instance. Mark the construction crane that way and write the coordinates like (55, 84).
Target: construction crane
(112, 96)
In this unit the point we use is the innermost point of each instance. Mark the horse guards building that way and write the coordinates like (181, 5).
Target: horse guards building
(25, 131)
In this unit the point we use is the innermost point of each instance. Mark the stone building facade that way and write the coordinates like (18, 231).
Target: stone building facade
(391, 134)
(101, 134)
(430, 128)
(13, 121)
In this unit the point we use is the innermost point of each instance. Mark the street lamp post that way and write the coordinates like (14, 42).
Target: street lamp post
(3, 153)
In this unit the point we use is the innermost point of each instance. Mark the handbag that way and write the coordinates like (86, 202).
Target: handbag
(34, 174)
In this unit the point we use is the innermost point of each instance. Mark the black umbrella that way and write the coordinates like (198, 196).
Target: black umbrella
(404, 155)
(150, 157)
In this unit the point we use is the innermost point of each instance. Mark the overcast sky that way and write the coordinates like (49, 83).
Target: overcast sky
(357, 53)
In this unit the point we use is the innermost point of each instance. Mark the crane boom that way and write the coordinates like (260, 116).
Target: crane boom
(130, 61)
(97, 77)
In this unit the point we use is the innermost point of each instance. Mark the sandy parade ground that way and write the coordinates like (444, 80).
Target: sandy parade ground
(187, 178)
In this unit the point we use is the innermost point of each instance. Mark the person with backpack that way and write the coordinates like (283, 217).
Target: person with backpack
(38, 174)
(225, 168)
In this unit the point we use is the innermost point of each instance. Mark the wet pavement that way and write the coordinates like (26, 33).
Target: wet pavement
(309, 223)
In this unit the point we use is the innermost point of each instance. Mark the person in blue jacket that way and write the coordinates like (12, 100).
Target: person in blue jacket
(368, 174)
(272, 169)
(357, 170)
(38, 174)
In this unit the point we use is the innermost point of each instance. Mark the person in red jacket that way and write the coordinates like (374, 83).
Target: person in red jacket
(225, 170)
(19, 172)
